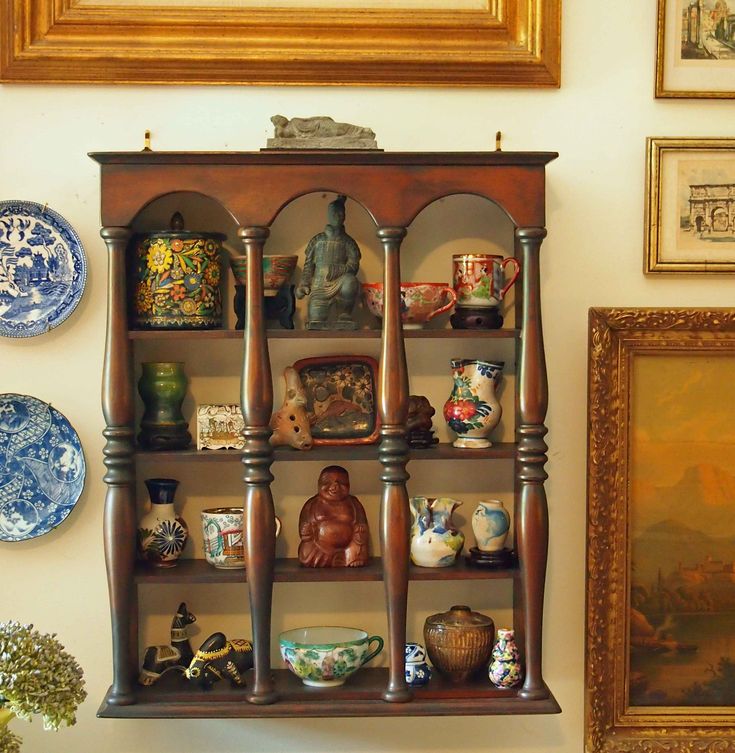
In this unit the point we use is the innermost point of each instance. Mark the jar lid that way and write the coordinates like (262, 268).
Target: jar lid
(177, 231)
(459, 616)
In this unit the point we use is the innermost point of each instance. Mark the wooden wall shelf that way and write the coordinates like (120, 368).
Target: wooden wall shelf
(304, 334)
(441, 451)
(290, 571)
(360, 696)
(394, 188)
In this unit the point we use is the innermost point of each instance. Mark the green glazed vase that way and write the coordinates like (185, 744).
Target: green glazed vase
(162, 387)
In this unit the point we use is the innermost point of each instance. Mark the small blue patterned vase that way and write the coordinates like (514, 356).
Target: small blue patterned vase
(418, 672)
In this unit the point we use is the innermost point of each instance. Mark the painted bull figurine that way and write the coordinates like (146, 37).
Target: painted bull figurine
(177, 655)
(290, 424)
(219, 659)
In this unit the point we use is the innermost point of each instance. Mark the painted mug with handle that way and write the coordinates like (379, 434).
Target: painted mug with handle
(479, 279)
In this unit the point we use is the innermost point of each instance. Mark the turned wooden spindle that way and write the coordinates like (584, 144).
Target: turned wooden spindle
(532, 515)
(120, 522)
(393, 453)
(260, 521)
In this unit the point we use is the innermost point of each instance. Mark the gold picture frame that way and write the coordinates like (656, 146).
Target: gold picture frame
(690, 213)
(440, 43)
(647, 688)
(694, 58)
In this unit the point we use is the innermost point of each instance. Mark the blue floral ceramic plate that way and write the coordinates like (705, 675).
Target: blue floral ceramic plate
(42, 269)
(42, 467)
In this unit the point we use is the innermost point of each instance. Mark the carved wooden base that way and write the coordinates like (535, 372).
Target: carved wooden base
(280, 306)
(501, 559)
(479, 317)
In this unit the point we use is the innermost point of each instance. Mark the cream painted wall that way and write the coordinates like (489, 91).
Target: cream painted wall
(597, 121)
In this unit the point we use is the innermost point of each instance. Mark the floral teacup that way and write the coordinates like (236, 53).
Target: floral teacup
(420, 301)
(326, 656)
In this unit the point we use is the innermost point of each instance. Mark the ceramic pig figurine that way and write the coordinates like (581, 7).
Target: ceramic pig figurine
(290, 424)
(218, 658)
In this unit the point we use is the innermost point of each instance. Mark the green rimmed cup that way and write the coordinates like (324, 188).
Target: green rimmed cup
(326, 656)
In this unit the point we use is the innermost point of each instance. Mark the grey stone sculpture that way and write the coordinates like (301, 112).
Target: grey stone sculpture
(330, 273)
(320, 132)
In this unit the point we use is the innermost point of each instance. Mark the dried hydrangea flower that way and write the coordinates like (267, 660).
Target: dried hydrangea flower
(9, 743)
(37, 676)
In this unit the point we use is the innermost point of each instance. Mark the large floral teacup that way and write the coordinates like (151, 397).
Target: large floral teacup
(420, 301)
(326, 656)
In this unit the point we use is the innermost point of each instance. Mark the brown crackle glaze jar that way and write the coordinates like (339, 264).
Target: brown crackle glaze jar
(459, 642)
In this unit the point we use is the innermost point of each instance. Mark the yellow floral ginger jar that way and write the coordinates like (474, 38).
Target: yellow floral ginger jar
(177, 279)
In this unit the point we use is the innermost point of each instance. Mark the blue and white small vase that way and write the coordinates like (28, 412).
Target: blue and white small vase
(418, 672)
(490, 524)
(162, 533)
(505, 668)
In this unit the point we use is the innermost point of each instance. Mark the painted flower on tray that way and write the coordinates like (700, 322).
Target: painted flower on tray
(159, 257)
(177, 244)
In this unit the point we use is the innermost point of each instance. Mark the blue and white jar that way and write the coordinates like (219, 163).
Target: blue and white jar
(418, 672)
(490, 524)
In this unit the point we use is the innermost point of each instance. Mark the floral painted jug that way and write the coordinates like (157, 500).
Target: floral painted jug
(434, 541)
(505, 668)
(473, 410)
(162, 534)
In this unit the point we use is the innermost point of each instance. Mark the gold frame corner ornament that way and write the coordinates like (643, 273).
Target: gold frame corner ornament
(653, 261)
(612, 725)
(505, 43)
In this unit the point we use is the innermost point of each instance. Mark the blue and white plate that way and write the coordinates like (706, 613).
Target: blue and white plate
(42, 269)
(42, 467)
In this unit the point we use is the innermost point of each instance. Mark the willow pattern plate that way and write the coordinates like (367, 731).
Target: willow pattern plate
(42, 269)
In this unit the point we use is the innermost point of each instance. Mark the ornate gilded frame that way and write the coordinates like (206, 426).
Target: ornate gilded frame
(664, 88)
(612, 725)
(657, 259)
(505, 43)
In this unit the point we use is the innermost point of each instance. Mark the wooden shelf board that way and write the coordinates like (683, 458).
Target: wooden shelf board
(174, 697)
(306, 334)
(290, 571)
(442, 451)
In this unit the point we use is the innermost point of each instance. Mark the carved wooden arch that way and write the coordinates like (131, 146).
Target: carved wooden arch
(254, 192)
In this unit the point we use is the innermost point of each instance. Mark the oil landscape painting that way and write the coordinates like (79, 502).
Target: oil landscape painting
(682, 531)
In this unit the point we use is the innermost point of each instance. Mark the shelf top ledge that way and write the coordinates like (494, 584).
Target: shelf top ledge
(324, 157)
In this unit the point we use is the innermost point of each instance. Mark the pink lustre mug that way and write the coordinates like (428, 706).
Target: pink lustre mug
(420, 301)
(479, 279)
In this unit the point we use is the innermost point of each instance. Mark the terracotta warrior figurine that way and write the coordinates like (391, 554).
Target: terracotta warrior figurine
(330, 273)
(332, 525)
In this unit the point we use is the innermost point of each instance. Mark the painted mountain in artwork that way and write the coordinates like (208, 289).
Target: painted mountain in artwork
(702, 500)
(665, 545)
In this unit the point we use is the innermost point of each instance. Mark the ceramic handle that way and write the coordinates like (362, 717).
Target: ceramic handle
(510, 260)
(278, 526)
(374, 653)
(452, 300)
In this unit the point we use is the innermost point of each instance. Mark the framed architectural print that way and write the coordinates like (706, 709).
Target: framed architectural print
(695, 50)
(690, 205)
(320, 42)
(660, 653)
